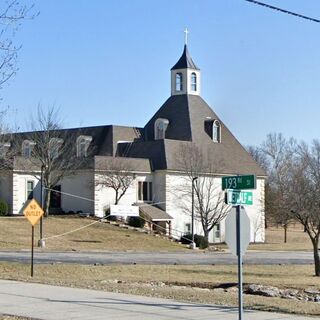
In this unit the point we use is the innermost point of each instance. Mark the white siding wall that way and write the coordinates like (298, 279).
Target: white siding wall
(256, 213)
(186, 81)
(104, 197)
(159, 189)
(19, 190)
(80, 187)
(176, 203)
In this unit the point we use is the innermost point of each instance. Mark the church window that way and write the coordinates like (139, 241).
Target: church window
(193, 81)
(4, 149)
(27, 146)
(144, 191)
(83, 143)
(30, 187)
(160, 127)
(179, 86)
(54, 147)
(216, 131)
(213, 130)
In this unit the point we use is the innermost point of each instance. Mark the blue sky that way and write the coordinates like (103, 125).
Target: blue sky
(108, 62)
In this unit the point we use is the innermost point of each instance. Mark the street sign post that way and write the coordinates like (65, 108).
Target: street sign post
(239, 197)
(237, 223)
(33, 212)
(239, 182)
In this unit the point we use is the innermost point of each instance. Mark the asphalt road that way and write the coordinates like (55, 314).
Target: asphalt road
(179, 258)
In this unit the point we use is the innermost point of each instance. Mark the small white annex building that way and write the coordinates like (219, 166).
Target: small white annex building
(184, 143)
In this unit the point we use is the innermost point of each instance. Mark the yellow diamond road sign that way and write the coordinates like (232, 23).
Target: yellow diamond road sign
(33, 212)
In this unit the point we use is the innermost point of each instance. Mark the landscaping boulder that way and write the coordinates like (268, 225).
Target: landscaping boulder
(266, 291)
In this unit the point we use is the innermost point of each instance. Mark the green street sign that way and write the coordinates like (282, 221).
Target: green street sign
(238, 197)
(239, 182)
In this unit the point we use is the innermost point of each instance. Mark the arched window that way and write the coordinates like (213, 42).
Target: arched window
(160, 127)
(27, 146)
(83, 143)
(54, 147)
(216, 131)
(193, 81)
(179, 79)
(4, 147)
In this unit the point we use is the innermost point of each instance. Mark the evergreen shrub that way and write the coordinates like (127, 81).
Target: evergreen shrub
(199, 240)
(4, 209)
(136, 222)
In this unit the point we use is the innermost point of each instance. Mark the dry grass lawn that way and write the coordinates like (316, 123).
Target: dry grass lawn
(296, 240)
(184, 283)
(102, 236)
(99, 236)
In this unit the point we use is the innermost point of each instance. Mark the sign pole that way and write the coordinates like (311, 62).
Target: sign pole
(239, 253)
(33, 212)
(32, 247)
(41, 202)
(234, 185)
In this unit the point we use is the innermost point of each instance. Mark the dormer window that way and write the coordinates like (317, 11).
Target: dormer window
(4, 149)
(160, 127)
(54, 147)
(83, 143)
(27, 146)
(193, 81)
(179, 79)
(213, 130)
(216, 131)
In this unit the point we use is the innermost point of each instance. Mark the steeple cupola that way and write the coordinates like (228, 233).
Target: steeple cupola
(185, 76)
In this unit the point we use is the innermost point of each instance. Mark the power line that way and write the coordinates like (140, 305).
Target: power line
(283, 10)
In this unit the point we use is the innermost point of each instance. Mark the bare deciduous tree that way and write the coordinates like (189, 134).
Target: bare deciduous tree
(53, 150)
(302, 193)
(294, 181)
(278, 152)
(260, 157)
(12, 13)
(117, 174)
(209, 205)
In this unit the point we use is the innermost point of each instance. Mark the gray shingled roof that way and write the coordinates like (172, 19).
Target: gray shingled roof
(104, 138)
(104, 143)
(153, 150)
(100, 135)
(153, 213)
(186, 115)
(225, 158)
(185, 61)
(131, 164)
(23, 164)
(176, 110)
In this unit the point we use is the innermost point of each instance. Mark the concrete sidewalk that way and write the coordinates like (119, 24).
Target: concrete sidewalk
(59, 303)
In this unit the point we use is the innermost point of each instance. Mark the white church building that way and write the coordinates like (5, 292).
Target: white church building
(160, 158)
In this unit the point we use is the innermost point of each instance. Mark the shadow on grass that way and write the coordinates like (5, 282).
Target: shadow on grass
(87, 241)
